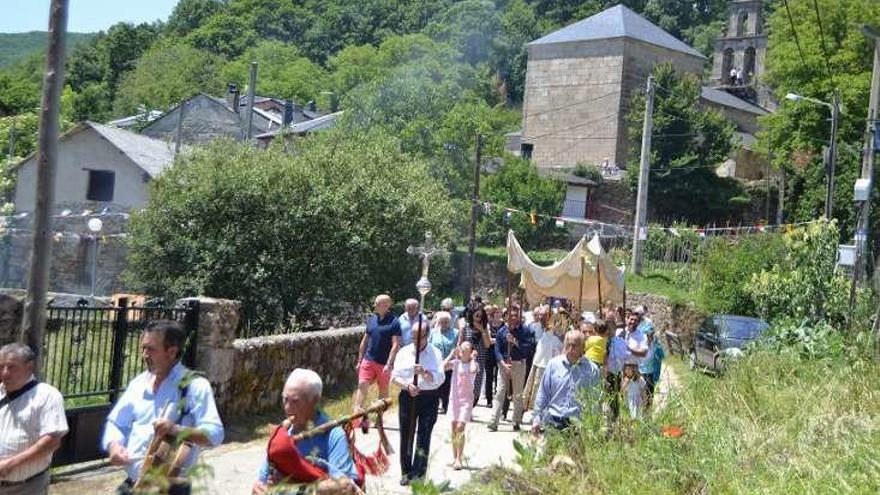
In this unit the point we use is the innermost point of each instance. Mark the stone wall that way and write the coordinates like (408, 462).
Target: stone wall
(73, 247)
(261, 366)
(681, 319)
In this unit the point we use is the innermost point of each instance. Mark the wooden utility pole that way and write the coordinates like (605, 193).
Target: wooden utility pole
(640, 231)
(780, 207)
(252, 88)
(475, 214)
(12, 142)
(864, 213)
(47, 158)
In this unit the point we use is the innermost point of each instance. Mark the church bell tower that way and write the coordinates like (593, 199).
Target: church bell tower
(743, 46)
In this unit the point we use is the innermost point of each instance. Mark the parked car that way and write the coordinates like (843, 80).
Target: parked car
(722, 337)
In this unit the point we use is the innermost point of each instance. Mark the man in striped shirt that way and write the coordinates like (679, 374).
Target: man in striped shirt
(32, 424)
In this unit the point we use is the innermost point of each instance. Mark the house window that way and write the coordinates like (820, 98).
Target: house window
(101, 185)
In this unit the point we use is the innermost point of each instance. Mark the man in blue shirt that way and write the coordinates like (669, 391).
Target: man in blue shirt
(328, 451)
(513, 344)
(408, 320)
(376, 354)
(187, 400)
(566, 380)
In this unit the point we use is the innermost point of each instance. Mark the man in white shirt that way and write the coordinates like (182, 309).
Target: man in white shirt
(635, 339)
(417, 402)
(32, 424)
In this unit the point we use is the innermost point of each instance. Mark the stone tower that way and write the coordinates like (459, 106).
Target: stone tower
(743, 45)
(580, 81)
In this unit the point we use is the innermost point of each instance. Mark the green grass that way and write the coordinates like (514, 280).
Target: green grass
(774, 424)
(498, 254)
(660, 283)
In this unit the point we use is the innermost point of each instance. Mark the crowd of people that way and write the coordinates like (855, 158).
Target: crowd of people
(547, 361)
(551, 361)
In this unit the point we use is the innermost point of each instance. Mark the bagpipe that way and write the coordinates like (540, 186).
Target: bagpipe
(288, 466)
(164, 462)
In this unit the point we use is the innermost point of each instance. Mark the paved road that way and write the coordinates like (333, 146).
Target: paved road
(235, 465)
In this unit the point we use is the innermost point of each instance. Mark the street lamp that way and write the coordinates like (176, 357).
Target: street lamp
(95, 225)
(831, 159)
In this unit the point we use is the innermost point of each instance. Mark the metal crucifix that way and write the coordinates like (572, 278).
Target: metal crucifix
(425, 252)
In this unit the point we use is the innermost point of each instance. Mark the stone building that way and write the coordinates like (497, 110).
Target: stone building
(580, 81)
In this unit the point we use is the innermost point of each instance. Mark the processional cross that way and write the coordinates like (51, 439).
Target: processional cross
(425, 252)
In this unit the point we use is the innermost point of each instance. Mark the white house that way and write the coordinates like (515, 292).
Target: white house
(98, 164)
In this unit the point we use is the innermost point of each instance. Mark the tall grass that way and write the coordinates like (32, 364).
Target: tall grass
(774, 424)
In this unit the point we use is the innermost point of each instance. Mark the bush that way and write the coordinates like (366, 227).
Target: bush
(288, 235)
(727, 264)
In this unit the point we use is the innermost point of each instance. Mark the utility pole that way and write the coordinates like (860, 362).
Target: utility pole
(780, 208)
(475, 213)
(252, 86)
(47, 158)
(767, 177)
(864, 214)
(12, 142)
(832, 155)
(640, 231)
(863, 208)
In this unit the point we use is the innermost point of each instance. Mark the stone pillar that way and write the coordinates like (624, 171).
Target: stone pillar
(215, 355)
(11, 310)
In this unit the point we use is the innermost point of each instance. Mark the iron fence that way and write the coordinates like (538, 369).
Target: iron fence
(91, 353)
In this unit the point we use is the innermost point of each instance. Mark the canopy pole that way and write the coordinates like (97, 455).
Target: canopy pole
(581, 289)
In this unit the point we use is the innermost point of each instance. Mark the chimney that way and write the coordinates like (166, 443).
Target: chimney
(288, 114)
(311, 106)
(232, 97)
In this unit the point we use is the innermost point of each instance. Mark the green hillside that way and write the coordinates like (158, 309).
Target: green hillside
(15, 46)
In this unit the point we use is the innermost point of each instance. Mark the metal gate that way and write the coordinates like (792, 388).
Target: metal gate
(90, 354)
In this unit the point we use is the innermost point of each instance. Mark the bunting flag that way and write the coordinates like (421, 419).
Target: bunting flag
(560, 223)
(533, 218)
(507, 215)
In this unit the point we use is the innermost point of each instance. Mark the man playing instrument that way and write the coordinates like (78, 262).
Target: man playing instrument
(328, 452)
(417, 403)
(137, 416)
(32, 423)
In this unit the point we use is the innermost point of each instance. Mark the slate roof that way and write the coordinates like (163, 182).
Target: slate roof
(617, 22)
(721, 97)
(152, 155)
(318, 124)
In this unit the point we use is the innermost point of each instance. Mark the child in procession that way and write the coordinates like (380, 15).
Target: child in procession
(464, 370)
(633, 388)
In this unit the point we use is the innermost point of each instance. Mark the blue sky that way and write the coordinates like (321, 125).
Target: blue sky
(85, 15)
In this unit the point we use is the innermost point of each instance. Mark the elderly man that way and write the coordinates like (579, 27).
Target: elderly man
(566, 381)
(513, 344)
(417, 411)
(32, 423)
(376, 353)
(328, 452)
(138, 415)
(408, 319)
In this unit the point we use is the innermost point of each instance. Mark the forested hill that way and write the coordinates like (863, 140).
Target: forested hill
(312, 47)
(16, 46)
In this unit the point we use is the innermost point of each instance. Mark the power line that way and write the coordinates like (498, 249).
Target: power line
(824, 48)
(794, 32)
(570, 105)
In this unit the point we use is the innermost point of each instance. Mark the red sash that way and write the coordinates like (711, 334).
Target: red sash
(284, 457)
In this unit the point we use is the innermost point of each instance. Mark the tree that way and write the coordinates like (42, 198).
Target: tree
(283, 72)
(470, 26)
(288, 234)
(167, 73)
(188, 15)
(224, 35)
(688, 142)
(798, 130)
(518, 185)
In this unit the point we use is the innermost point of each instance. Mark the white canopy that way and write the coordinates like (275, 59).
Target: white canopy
(563, 278)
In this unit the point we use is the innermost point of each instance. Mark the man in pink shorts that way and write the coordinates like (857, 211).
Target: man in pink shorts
(377, 351)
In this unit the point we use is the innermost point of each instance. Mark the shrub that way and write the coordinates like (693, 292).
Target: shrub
(288, 234)
(727, 264)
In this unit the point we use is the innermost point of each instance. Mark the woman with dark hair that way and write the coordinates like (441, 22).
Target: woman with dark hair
(476, 331)
(495, 316)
